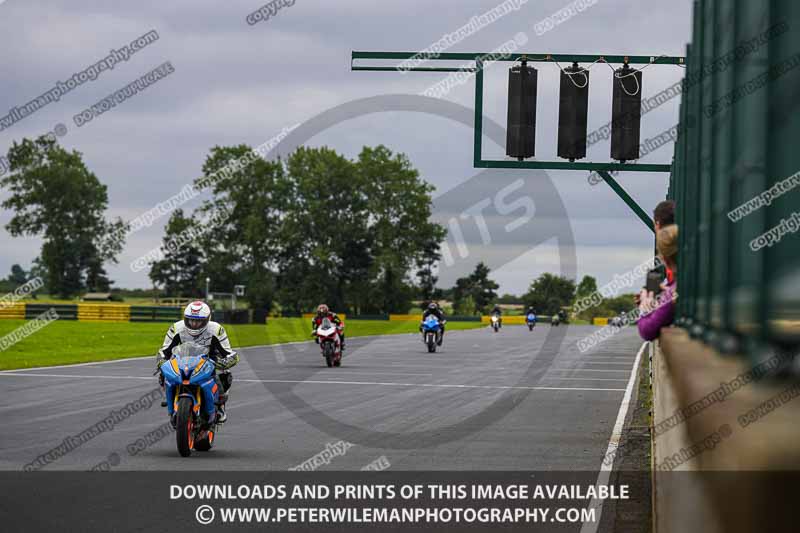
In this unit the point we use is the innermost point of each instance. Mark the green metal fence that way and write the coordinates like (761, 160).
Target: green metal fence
(65, 311)
(141, 313)
(738, 284)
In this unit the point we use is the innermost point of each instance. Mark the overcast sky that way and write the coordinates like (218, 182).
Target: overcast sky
(240, 83)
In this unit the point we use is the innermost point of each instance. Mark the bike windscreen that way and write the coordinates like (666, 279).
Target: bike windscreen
(189, 349)
(326, 323)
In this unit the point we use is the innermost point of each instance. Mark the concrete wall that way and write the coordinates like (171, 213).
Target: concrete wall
(720, 438)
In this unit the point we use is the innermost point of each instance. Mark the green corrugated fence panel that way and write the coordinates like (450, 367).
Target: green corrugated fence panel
(64, 311)
(781, 279)
(140, 313)
(730, 154)
(463, 318)
(368, 317)
(749, 131)
(721, 169)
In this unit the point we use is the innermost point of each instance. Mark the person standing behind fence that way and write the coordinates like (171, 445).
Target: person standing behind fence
(663, 216)
(658, 311)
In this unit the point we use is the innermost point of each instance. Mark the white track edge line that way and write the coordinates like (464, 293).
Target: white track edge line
(613, 444)
(337, 382)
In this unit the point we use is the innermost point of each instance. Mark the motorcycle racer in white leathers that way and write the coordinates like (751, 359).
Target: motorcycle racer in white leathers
(197, 327)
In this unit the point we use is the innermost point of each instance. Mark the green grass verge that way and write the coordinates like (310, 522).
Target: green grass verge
(69, 342)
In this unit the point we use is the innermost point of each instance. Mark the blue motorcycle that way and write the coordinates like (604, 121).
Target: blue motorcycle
(431, 332)
(531, 321)
(192, 395)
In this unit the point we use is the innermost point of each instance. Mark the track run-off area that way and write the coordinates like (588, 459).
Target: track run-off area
(512, 400)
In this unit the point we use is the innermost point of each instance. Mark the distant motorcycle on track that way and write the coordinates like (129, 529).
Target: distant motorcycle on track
(496, 323)
(530, 320)
(329, 342)
(431, 332)
(555, 321)
(192, 395)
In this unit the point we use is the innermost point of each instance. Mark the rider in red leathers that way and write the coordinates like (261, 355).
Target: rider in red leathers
(322, 313)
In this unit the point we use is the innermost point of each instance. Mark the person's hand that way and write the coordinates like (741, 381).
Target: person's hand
(648, 302)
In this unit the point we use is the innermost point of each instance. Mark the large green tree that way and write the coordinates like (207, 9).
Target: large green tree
(324, 243)
(426, 272)
(180, 272)
(240, 239)
(399, 204)
(318, 227)
(549, 293)
(53, 195)
(586, 288)
(18, 275)
(476, 290)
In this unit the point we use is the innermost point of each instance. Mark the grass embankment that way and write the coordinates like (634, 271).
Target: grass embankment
(68, 342)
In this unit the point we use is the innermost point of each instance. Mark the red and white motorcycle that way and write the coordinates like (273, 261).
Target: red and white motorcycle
(329, 342)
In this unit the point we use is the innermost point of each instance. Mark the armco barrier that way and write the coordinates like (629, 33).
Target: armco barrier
(309, 316)
(154, 314)
(64, 311)
(515, 320)
(237, 316)
(260, 316)
(463, 318)
(597, 321)
(91, 312)
(405, 318)
(104, 312)
(369, 317)
(14, 311)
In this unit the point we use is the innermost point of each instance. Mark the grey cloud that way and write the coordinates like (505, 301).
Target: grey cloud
(236, 83)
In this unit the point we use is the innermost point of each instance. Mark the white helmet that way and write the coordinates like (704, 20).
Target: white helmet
(196, 317)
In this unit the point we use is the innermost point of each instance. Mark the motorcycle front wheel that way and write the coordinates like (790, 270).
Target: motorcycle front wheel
(431, 342)
(184, 431)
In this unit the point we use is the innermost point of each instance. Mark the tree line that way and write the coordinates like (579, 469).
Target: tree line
(317, 227)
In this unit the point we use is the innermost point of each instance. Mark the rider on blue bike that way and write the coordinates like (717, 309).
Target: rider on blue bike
(197, 328)
(434, 309)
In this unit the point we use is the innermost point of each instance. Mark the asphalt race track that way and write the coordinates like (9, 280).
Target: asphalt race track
(515, 400)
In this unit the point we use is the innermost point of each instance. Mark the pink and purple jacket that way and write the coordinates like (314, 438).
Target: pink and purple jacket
(650, 324)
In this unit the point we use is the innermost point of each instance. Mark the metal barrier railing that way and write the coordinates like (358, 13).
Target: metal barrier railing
(739, 269)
